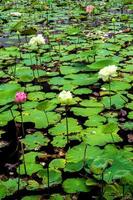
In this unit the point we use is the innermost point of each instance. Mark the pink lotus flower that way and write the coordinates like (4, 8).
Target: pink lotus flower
(89, 9)
(20, 97)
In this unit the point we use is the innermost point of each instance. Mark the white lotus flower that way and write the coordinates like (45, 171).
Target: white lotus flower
(108, 72)
(15, 14)
(65, 97)
(37, 40)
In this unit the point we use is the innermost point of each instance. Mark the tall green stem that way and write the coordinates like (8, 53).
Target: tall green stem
(110, 102)
(47, 14)
(22, 149)
(67, 131)
(48, 180)
(114, 31)
(18, 177)
(23, 135)
(22, 123)
(46, 117)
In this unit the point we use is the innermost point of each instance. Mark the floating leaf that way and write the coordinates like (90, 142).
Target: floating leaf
(54, 176)
(100, 64)
(36, 197)
(57, 163)
(59, 141)
(39, 118)
(86, 112)
(31, 165)
(60, 128)
(74, 185)
(56, 197)
(35, 141)
(8, 91)
(10, 186)
(117, 100)
(102, 135)
(46, 105)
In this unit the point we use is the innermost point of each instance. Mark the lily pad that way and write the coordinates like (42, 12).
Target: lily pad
(74, 185)
(35, 141)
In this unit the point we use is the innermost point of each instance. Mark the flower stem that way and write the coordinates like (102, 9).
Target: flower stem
(67, 131)
(22, 148)
(114, 31)
(30, 59)
(12, 114)
(46, 117)
(17, 147)
(23, 135)
(22, 123)
(48, 180)
(47, 16)
(110, 102)
(14, 73)
(18, 177)
(19, 40)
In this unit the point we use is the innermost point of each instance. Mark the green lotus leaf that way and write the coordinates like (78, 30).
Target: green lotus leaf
(91, 153)
(130, 115)
(46, 105)
(39, 118)
(6, 116)
(129, 106)
(9, 52)
(73, 167)
(56, 197)
(86, 112)
(91, 103)
(29, 105)
(102, 135)
(116, 167)
(30, 162)
(32, 185)
(128, 126)
(35, 141)
(68, 70)
(72, 30)
(118, 85)
(59, 141)
(82, 79)
(57, 163)
(60, 128)
(32, 88)
(100, 64)
(24, 74)
(36, 96)
(10, 186)
(117, 100)
(55, 177)
(8, 91)
(112, 191)
(74, 185)
(81, 91)
(95, 120)
(36, 197)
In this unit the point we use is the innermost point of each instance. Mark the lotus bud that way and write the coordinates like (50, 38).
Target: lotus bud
(65, 97)
(20, 97)
(107, 72)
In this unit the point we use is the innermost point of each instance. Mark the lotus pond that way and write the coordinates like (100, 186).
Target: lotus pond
(66, 129)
